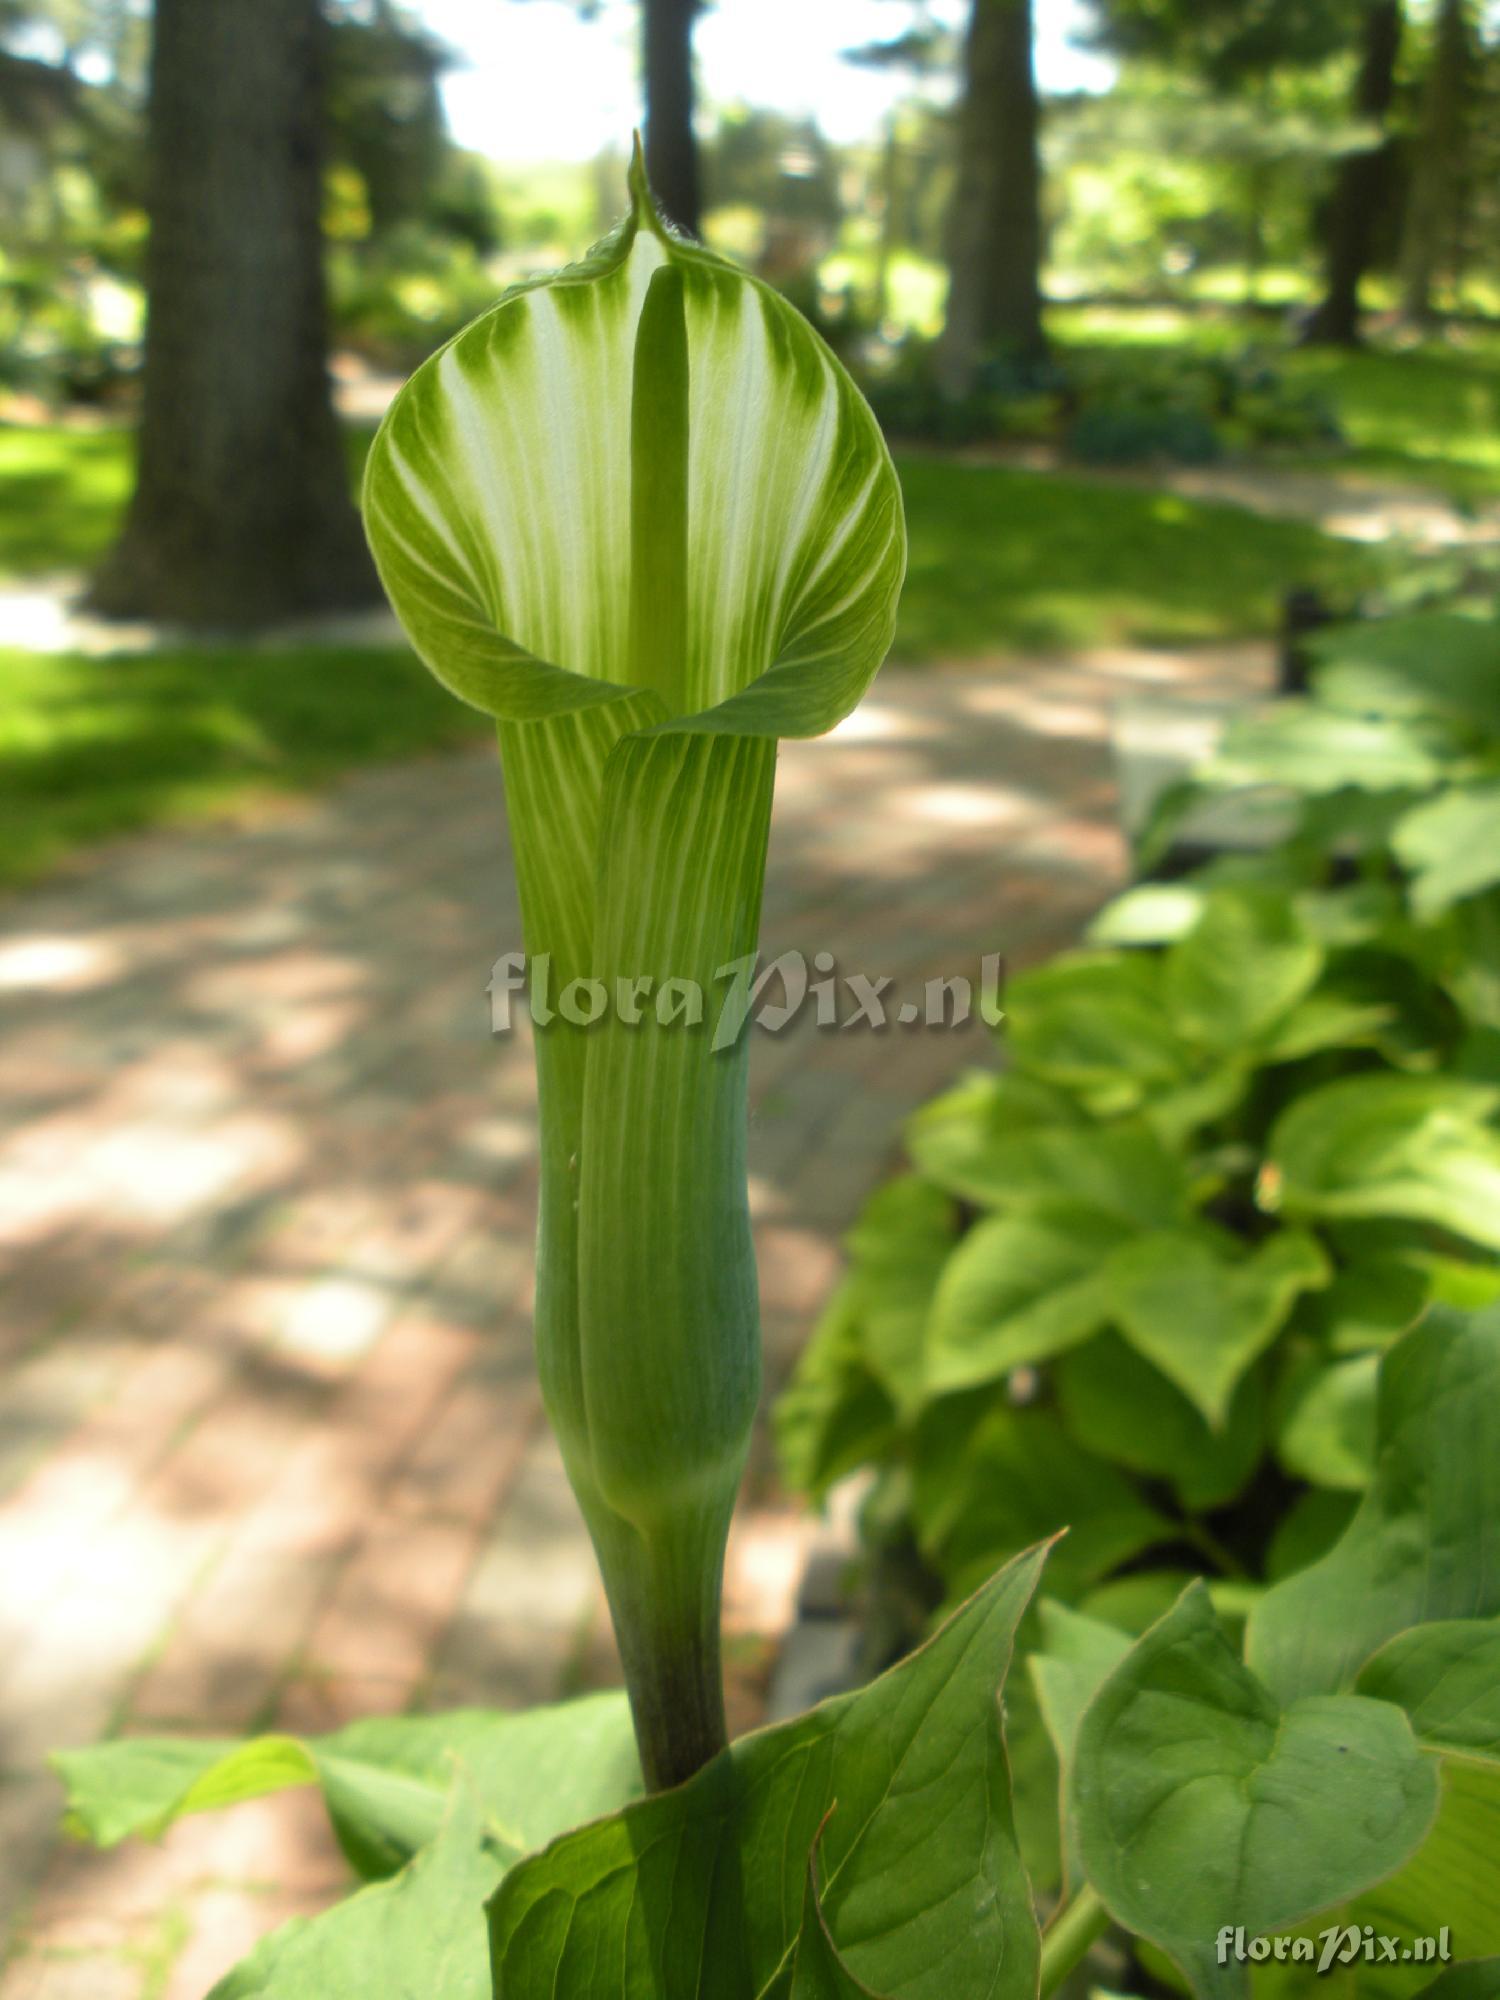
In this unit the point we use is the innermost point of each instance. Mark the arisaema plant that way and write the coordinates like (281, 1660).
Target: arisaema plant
(640, 515)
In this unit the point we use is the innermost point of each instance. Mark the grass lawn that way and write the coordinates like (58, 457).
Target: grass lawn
(1000, 560)
(1009, 559)
(92, 747)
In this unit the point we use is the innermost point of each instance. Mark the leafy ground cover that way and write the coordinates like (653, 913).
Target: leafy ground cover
(1147, 1278)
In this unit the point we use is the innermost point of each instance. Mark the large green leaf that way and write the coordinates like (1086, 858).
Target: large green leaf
(1428, 664)
(1117, 1404)
(1242, 966)
(386, 1781)
(1077, 1656)
(700, 1893)
(1414, 1147)
(1123, 1169)
(951, 1140)
(1327, 1433)
(1451, 845)
(1202, 1318)
(1425, 1543)
(1199, 1802)
(1016, 1477)
(1017, 1289)
(1095, 1023)
(420, 1933)
(1446, 1676)
(1304, 748)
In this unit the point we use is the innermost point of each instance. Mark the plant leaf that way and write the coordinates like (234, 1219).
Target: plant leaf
(1202, 1319)
(1414, 1147)
(1094, 1023)
(1241, 968)
(1451, 846)
(1198, 1802)
(1078, 1655)
(818, 1970)
(1327, 1436)
(1303, 748)
(1425, 1542)
(386, 1781)
(1118, 1404)
(900, 1245)
(1427, 664)
(950, 1140)
(834, 1414)
(699, 1893)
(1446, 1676)
(1017, 1477)
(1017, 1289)
(421, 1932)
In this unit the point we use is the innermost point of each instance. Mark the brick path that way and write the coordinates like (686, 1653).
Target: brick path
(270, 1450)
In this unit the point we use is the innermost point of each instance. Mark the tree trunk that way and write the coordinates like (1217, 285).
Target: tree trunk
(671, 149)
(1361, 183)
(1429, 228)
(994, 226)
(241, 513)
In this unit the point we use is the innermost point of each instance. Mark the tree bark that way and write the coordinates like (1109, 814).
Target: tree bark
(241, 513)
(671, 149)
(994, 226)
(1429, 228)
(1360, 185)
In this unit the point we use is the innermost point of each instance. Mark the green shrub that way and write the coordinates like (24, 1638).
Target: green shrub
(1140, 1280)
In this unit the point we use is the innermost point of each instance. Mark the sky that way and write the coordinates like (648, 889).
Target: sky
(538, 83)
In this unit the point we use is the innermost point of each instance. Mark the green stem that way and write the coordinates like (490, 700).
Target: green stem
(1074, 1928)
(665, 1593)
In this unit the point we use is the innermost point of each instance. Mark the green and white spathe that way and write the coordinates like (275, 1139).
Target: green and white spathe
(639, 514)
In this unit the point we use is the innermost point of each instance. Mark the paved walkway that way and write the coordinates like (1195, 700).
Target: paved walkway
(270, 1449)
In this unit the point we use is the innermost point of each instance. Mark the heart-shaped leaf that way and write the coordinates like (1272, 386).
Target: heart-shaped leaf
(1199, 1803)
(1202, 1318)
(1095, 1023)
(1447, 1677)
(1425, 1543)
(1017, 1289)
(1123, 1170)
